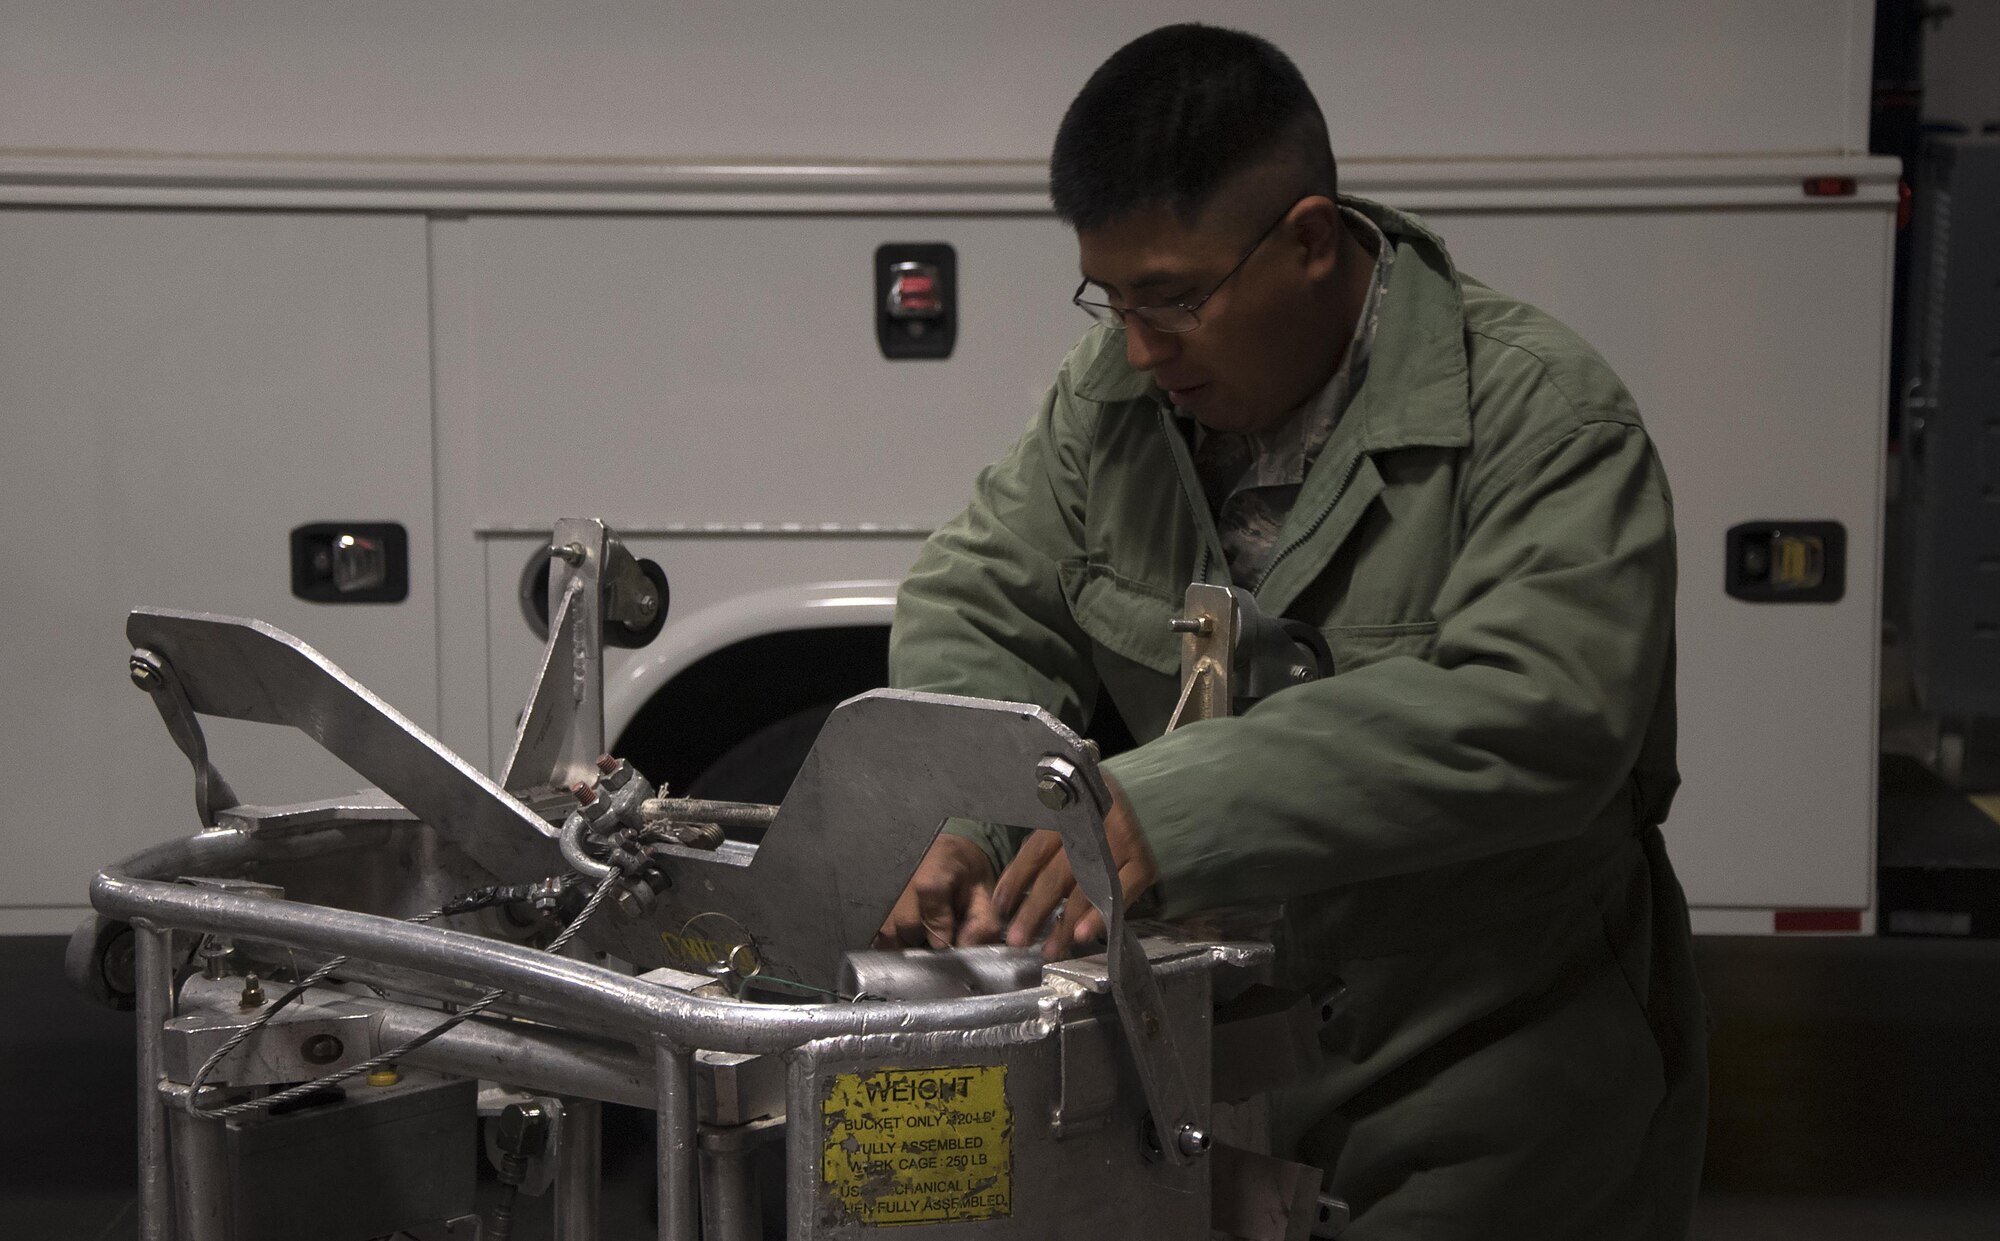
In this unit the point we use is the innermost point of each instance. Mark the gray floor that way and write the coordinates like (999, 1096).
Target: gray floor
(1856, 1096)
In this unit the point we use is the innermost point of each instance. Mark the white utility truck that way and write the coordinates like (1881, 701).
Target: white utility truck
(466, 269)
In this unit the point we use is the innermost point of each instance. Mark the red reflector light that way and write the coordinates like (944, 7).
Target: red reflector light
(1807, 920)
(1904, 205)
(1829, 187)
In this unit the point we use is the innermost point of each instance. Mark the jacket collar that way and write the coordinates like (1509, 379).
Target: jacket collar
(1417, 388)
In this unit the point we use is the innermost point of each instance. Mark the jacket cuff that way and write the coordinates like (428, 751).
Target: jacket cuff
(1183, 843)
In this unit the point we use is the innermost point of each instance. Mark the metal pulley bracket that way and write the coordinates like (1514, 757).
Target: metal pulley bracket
(598, 593)
(1077, 792)
(562, 731)
(1233, 655)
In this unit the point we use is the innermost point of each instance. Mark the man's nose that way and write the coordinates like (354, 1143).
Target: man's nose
(1145, 347)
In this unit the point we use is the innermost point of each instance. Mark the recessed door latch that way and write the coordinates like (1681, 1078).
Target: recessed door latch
(351, 562)
(916, 300)
(1786, 561)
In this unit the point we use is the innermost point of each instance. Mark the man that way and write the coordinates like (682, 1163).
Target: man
(1300, 394)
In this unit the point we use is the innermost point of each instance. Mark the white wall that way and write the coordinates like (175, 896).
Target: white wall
(905, 79)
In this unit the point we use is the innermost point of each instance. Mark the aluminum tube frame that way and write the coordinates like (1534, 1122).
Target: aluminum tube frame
(579, 1168)
(542, 1060)
(613, 1001)
(539, 1059)
(154, 1000)
(730, 1210)
(679, 1153)
(201, 1176)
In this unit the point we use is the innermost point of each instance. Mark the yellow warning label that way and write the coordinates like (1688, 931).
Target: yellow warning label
(919, 1146)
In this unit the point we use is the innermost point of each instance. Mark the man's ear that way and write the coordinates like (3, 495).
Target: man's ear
(1315, 229)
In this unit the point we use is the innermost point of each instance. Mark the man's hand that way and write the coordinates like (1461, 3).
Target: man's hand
(1039, 881)
(948, 901)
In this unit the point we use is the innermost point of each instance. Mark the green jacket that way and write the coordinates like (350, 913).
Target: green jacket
(1487, 544)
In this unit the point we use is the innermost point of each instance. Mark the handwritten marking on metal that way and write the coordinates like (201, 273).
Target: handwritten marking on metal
(579, 660)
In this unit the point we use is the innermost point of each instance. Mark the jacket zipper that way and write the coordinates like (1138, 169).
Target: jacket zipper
(1201, 564)
(1188, 497)
(1319, 519)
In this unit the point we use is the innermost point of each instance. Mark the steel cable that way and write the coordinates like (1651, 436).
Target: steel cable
(302, 1089)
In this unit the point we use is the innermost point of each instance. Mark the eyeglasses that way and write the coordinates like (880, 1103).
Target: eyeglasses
(1172, 317)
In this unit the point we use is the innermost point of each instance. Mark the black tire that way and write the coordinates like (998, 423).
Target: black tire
(762, 766)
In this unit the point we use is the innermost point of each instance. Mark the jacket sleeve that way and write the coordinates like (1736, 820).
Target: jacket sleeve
(982, 613)
(1555, 623)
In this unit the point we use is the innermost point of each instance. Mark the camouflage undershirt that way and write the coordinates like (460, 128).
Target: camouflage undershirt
(1252, 478)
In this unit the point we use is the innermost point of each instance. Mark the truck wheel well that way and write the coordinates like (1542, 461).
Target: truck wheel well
(716, 705)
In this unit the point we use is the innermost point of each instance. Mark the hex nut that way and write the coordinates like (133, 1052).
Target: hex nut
(1055, 792)
(523, 1129)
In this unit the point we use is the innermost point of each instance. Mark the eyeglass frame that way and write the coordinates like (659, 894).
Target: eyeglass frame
(1116, 321)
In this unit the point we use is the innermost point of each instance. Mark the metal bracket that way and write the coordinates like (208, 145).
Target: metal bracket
(1208, 626)
(152, 673)
(1233, 655)
(247, 670)
(1089, 1078)
(562, 731)
(1080, 792)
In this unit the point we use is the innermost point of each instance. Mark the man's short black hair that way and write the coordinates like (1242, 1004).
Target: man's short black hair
(1173, 115)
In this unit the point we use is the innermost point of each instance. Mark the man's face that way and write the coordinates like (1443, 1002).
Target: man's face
(1263, 345)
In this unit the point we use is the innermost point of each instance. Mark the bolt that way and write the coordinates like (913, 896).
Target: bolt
(253, 993)
(569, 553)
(1200, 625)
(1331, 1218)
(1301, 673)
(144, 674)
(215, 958)
(584, 794)
(322, 1049)
(633, 902)
(522, 1132)
(1056, 792)
(646, 603)
(1192, 1141)
(696, 835)
(606, 764)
